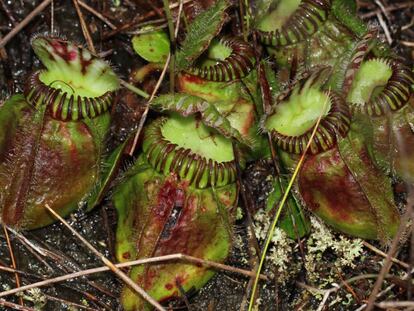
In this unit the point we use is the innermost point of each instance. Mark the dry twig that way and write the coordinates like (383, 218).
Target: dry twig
(166, 258)
(97, 14)
(387, 264)
(145, 113)
(108, 263)
(389, 8)
(85, 29)
(13, 260)
(24, 22)
(381, 253)
(14, 306)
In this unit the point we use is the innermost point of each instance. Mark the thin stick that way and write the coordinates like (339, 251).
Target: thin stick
(248, 16)
(14, 306)
(29, 275)
(97, 14)
(3, 52)
(84, 27)
(145, 113)
(390, 8)
(408, 43)
(395, 304)
(7, 269)
(336, 287)
(381, 253)
(242, 20)
(13, 260)
(409, 25)
(24, 22)
(108, 263)
(381, 6)
(173, 42)
(281, 204)
(387, 264)
(385, 28)
(74, 304)
(180, 11)
(386, 290)
(127, 26)
(172, 257)
(52, 17)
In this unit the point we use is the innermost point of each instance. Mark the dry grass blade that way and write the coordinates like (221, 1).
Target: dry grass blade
(279, 210)
(267, 103)
(108, 263)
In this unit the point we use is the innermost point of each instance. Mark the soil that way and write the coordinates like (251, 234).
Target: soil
(66, 254)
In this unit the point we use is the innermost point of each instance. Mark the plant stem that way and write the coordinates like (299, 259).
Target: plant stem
(134, 89)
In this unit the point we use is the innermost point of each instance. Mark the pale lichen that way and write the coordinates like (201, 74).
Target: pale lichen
(326, 253)
(343, 253)
(281, 254)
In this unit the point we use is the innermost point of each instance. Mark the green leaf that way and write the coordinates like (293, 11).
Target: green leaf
(109, 169)
(154, 47)
(200, 33)
(260, 9)
(293, 222)
(355, 152)
(344, 12)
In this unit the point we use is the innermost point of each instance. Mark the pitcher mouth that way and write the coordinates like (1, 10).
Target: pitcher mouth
(300, 25)
(234, 60)
(62, 105)
(298, 111)
(74, 85)
(380, 86)
(201, 168)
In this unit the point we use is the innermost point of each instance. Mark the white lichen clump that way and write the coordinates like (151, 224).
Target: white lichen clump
(321, 272)
(282, 249)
